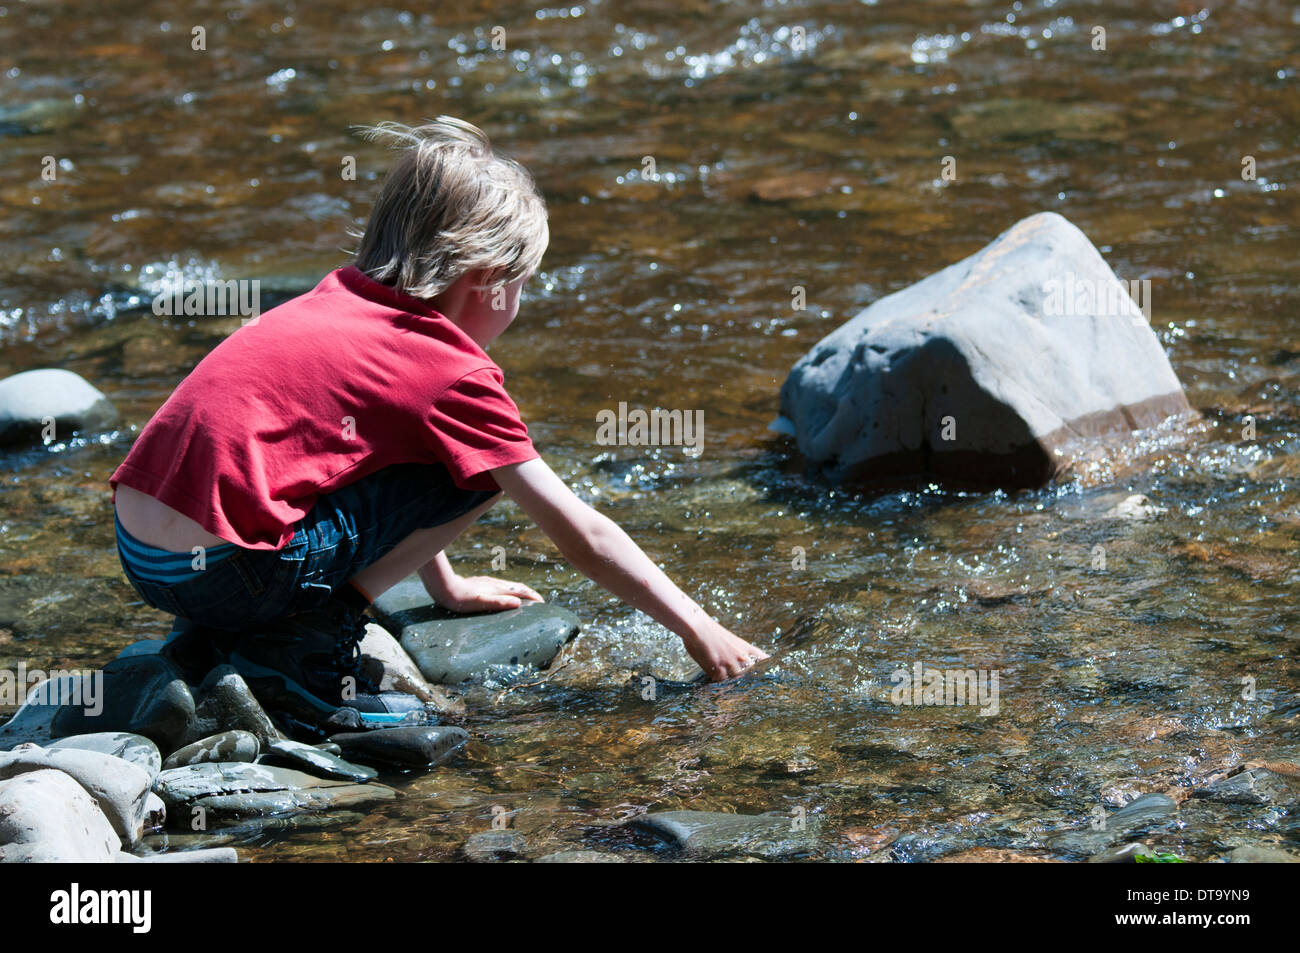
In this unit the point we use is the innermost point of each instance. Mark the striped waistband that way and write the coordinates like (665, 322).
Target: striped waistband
(160, 565)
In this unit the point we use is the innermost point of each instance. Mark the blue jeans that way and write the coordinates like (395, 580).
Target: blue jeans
(345, 532)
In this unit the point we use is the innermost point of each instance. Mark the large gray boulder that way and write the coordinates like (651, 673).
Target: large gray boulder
(50, 401)
(118, 787)
(995, 371)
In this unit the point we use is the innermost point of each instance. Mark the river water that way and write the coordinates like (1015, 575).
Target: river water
(700, 160)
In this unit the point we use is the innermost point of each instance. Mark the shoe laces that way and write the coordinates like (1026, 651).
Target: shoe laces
(347, 651)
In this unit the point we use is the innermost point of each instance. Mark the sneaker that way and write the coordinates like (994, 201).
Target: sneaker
(307, 667)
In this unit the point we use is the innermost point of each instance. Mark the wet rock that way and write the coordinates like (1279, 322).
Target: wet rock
(1124, 854)
(1135, 507)
(314, 761)
(487, 846)
(155, 812)
(1144, 812)
(135, 749)
(32, 722)
(118, 787)
(580, 857)
(142, 695)
(387, 663)
(413, 747)
(1252, 786)
(205, 855)
(227, 746)
(241, 790)
(703, 835)
(994, 855)
(58, 402)
(227, 703)
(457, 648)
(1262, 855)
(998, 370)
(47, 817)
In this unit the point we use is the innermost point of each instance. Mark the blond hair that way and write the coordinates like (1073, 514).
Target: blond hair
(450, 205)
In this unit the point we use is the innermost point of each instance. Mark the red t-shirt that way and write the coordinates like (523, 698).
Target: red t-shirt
(316, 394)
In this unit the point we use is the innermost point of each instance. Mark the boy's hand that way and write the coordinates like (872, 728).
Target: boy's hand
(721, 654)
(483, 594)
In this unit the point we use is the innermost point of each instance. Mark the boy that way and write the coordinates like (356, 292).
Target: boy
(343, 440)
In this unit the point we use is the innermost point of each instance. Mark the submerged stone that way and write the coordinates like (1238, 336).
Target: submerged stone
(412, 747)
(238, 790)
(487, 846)
(1252, 786)
(705, 835)
(1141, 813)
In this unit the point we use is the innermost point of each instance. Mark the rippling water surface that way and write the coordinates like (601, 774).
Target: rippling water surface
(791, 144)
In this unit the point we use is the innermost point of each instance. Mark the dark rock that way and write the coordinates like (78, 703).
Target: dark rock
(135, 749)
(414, 747)
(997, 370)
(143, 695)
(226, 703)
(314, 761)
(450, 648)
(47, 817)
(118, 787)
(703, 835)
(226, 747)
(31, 399)
(487, 846)
(240, 790)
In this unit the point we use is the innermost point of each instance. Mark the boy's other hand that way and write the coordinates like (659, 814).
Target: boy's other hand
(484, 594)
(721, 654)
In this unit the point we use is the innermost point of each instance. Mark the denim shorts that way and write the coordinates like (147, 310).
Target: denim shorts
(345, 532)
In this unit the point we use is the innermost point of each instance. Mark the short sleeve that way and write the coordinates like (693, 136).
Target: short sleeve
(474, 427)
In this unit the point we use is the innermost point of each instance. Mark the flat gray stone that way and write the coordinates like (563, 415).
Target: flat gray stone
(47, 817)
(314, 761)
(406, 747)
(449, 649)
(487, 846)
(1139, 814)
(28, 400)
(136, 749)
(240, 790)
(705, 835)
(998, 370)
(118, 787)
(233, 745)
(142, 695)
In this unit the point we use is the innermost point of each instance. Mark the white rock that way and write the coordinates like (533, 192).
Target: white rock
(46, 817)
(990, 372)
(118, 787)
(34, 401)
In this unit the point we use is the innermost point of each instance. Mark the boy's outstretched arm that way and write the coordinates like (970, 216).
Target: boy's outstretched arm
(600, 550)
